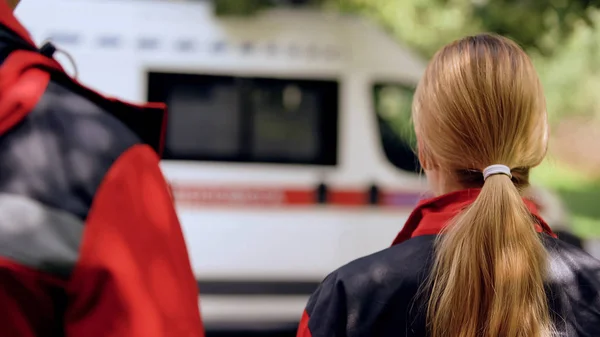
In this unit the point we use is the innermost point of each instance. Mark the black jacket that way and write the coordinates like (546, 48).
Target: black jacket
(376, 295)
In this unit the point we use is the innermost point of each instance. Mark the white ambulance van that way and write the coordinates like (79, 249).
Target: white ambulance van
(281, 146)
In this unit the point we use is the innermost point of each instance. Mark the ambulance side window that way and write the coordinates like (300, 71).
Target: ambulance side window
(204, 118)
(392, 103)
(293, 121)
(242, 119)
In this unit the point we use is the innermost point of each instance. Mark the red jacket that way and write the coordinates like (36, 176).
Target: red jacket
(90, 244)
(377, 295)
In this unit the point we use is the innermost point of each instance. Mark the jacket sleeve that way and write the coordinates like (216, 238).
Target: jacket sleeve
(325, 314)
(133, 276)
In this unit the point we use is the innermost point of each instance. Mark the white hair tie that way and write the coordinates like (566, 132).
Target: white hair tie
(496, 169)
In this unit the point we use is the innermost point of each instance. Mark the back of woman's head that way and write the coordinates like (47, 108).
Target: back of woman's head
(480, 103)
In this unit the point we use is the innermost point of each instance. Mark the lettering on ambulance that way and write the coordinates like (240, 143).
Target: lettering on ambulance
(229, 196)
(192, 196)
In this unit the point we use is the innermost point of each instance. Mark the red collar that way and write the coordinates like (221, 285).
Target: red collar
(8, 19)
(432, 215)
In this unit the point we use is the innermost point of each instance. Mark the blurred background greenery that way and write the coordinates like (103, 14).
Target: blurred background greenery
(562, 37)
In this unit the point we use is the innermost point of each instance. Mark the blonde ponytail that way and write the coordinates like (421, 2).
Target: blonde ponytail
(489, 271)
(480, 103)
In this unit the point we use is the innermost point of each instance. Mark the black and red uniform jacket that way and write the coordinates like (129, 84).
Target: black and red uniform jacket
(376, 296)
(90, 244)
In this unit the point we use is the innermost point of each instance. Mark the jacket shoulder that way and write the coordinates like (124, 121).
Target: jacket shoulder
(402, 264)
(51, 164)
(59, 153)
(574, 288)
(379, 291)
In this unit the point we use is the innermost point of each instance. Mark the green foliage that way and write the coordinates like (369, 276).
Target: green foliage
(579, 193)
(571, 76)
(423, 25)
(239, 7)
(426, 24)
(250, 7)
(539, 24)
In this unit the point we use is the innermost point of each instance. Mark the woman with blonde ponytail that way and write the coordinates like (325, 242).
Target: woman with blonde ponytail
(477, 260)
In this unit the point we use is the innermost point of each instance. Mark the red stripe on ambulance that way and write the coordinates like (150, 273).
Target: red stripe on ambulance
(273, 196)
